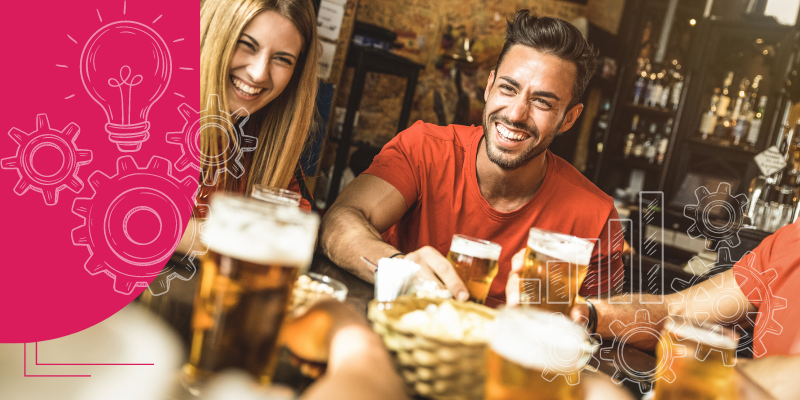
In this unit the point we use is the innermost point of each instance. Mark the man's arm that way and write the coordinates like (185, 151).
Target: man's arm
(718, 297)
(352, 229)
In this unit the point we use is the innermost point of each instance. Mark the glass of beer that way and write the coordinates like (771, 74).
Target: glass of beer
(554, 269)
(695, 361)
(256, 252)
(535, 354)
(475, 261)
(276, 195)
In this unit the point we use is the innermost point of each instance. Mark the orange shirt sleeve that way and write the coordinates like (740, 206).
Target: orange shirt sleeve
(397, 165)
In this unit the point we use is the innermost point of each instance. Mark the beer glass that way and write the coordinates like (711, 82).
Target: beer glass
(256, 252)
(529, 351)
(475, 261)
(698, 360)
(554, 269)
(276, 195)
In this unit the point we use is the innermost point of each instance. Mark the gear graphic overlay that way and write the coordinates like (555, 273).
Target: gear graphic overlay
(561, 355)
(42, 180)
(233, 143)
(616, 355)
(723, 208)
(132, 224)
(697, 302)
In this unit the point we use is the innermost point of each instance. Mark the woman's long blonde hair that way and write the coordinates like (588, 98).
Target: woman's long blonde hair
(282, 126)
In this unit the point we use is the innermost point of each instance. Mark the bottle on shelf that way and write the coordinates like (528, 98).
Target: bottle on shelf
(724, 124)
(709, 120)
(638, 145)
(651, 81)
(666, 83)
(651, 143)
(755, 123)
(631, 138)
(738, 119)
(663, 143)
(676, 87)
(641, 72)
(657, 89)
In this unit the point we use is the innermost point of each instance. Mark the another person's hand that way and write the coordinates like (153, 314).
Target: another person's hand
(436, 267)
(512, 286)
(309, 335)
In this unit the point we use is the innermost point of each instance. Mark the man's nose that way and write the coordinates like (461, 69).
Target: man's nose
(518, 110)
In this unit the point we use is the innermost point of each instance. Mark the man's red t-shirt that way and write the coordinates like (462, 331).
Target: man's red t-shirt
(770, 277)
(433, 167)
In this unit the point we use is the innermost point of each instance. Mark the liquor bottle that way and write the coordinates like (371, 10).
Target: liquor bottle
(725, 99)
(654, 95)
(638, 145)
(676, 89)
(651, 143)
(755, 123)
(629, 141)
(738, 124)
(666, 83)
(641, 71)
(648, 89)
(709, 120)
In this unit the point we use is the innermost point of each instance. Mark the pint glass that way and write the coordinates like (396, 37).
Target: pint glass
(528, 351)
(256, 251)
(475, 261)
(276, 195)
(698, 360)
(554, 269)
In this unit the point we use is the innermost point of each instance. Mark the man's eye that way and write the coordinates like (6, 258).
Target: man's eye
(543, 102)
(506, 88)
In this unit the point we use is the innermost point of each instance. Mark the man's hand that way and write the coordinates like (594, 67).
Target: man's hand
(436, 267)
(512, 286)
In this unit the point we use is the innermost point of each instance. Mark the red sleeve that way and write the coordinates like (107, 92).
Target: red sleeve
(295, 187)
(395, 163)
(778, 251)
(606, 269)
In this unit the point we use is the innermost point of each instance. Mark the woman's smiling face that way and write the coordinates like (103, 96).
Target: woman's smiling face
(265, 58)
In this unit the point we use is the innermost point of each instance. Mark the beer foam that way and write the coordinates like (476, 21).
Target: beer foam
(702, 335)
(475, 247)
(538, 339)
(259, 232)
(568, 248)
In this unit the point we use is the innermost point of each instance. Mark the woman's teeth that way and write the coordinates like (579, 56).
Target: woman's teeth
(508, 135)
(244, 87)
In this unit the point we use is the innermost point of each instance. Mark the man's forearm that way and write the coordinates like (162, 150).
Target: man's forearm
(347, 236)
(623, 308)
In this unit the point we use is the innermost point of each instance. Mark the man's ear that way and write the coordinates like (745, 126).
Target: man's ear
(571, 117)
(489, 84)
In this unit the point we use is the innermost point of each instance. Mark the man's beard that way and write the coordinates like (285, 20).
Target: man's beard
(495, 153)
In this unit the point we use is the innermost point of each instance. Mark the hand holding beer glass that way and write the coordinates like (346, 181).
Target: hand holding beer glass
(535, 354)
(256, 252)
(553, 270)
(475, 261)
(696, 362)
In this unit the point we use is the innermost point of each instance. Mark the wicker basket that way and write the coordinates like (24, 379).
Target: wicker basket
(432, 367)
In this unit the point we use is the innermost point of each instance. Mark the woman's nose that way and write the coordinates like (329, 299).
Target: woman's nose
(258, 69)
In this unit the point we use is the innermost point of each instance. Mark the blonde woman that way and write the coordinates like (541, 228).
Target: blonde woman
(260, 55)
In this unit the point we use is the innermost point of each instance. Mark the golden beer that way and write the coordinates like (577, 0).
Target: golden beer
(475, 261)
(529, 342)
(699, 360)
(256, 252)
(554, 269)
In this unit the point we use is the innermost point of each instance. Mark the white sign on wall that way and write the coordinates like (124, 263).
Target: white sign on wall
(329, 19)
(770, 161)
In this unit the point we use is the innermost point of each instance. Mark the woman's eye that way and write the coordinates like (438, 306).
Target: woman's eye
(285, 60)
(249, 45)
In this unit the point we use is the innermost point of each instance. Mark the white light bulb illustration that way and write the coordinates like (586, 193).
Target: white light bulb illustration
(126, 67)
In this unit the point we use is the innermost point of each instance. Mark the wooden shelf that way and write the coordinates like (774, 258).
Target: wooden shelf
(724, 146)
(652, 111)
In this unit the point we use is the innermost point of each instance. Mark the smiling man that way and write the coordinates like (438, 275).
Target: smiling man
(492, 182)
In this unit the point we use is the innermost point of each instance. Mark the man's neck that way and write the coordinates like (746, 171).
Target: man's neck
(508, 190)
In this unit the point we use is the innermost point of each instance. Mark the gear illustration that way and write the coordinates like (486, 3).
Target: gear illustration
(132, 224)
(762, 286)
(570, 350)
(234, 138)
(711, 203)
(25, 161)
(616, 355)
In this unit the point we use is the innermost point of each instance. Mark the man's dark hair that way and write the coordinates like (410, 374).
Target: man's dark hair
(557, 37)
